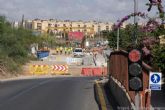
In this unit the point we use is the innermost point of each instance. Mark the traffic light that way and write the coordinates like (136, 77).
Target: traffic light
(135, 70)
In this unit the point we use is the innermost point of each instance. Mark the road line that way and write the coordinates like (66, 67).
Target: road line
(26, 91)
(101, 96)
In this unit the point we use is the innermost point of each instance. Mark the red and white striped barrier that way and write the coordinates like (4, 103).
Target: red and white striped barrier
(59, 69)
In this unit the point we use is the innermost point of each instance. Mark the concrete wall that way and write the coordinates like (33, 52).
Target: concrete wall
(120, 93)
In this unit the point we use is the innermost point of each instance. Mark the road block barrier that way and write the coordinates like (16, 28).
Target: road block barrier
(99, 71)
(57, 58)
(104, 70)
(39, 69)
(86, 71)
(59, 69)
(46, 69)
(76, 61)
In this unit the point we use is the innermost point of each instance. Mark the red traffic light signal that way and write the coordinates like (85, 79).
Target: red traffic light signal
(134, 55)
(135, 70)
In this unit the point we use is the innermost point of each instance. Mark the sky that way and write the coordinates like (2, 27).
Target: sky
(99, 10)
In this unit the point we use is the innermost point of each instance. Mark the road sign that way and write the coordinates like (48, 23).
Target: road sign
(155, 80)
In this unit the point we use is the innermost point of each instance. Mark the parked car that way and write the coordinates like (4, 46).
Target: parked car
(78, 52)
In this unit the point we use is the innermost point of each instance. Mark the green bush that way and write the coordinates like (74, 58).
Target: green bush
(159, 57)
(8, 64)
(15, 46)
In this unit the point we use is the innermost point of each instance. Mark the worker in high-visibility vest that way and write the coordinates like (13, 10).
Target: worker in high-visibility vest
(65, 49)
(68, 50)
(61, 49)
(57, 50)
(71, 49)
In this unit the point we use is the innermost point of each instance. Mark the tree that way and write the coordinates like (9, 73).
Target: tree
(125, 37)
(159, 57)
(14, 45)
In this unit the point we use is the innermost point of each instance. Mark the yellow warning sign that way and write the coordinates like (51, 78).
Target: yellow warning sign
(39, 69)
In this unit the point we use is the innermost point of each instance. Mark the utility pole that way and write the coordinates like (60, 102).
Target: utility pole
(22, 21)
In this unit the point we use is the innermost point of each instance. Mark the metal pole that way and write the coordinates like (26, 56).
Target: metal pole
(118, 33)
(137, 93)
(135, 22)
(137, 100)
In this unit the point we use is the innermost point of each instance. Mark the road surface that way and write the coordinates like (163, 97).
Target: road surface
(158, 99)
(60, 93)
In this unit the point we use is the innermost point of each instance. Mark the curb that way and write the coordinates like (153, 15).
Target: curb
(31, 77)
(101, 97)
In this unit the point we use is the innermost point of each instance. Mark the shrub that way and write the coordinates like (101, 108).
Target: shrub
(159, 57)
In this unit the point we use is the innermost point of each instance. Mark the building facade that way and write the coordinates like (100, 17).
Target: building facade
(56, 26)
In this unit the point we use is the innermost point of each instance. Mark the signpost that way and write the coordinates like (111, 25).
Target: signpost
(155, 81)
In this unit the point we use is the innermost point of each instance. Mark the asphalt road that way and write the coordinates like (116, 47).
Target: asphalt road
(67, 93)
(158, 99)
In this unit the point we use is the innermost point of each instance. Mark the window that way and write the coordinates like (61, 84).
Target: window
(39, 25)
(78, 50)
(49, 25)
(107, 28)
(99, 28)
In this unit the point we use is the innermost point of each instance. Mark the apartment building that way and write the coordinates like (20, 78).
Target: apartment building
(89, 28)
(28, 24)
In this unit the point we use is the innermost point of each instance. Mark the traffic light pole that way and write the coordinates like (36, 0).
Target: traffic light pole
(135, 22)
(118, 32)
(137, 100)
(137, 93)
